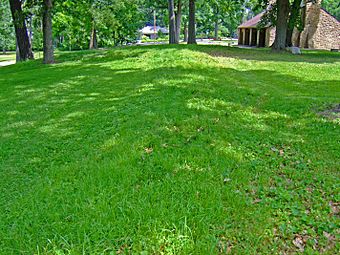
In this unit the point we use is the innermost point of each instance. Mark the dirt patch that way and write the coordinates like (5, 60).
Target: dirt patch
(331, 113)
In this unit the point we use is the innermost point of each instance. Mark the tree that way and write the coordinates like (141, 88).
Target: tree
(220, 17)
(22, 40)
(47, 32)
(333, 7)
(281, 25)
(178, 15)
(192, 23)
(293, 21)
(7, 33)
(172, 23)
(93, 38)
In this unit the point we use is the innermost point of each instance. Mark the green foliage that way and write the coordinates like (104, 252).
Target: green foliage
(116, 22)
(7, 34)
(333, 7)
(170, 150)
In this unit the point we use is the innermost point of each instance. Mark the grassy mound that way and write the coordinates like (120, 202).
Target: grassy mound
(170, 150)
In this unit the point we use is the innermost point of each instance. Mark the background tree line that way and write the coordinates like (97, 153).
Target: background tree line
(82, 24)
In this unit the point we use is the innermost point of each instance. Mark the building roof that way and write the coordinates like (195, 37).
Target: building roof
(328, 13)
(150, 30)
(252, 23)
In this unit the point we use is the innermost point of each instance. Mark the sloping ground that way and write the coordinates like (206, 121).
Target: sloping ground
(170, 150)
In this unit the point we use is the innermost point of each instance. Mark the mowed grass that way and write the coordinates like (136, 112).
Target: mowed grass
(170, 150)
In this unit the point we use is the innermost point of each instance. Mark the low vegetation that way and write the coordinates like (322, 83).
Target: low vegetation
(170, 150)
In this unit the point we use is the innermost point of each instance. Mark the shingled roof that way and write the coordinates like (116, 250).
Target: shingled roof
(252, 23)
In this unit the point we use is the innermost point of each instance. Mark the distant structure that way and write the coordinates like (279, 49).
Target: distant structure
(153, 31)
(322, 31)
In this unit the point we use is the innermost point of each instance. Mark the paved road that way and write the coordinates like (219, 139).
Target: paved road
(7, 63)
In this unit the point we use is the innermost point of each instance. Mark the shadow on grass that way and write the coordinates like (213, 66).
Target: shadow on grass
(71, 94)
(266, 55)
(100, 130)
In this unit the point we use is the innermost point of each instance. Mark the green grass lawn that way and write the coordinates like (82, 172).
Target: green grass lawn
(170, 150)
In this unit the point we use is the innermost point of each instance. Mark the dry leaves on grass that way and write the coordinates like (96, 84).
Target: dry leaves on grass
(332, 113)
(224, 246)
(148, 150)
(334, 207)
(300, 242)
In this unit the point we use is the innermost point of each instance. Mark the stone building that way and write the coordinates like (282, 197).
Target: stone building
(322, 31)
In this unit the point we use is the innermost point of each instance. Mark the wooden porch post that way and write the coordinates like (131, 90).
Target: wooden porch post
(244, 36)
(250, 36)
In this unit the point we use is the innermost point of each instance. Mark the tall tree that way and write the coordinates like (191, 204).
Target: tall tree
(192, 23)
(47, 32)
(172, 23)
(333, 7)
(178, 20)
(93, 38)
(293, 20)
(7, 33)
(281, 25)
(24, 51)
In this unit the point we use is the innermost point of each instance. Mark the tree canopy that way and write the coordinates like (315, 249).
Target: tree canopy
(87, 24)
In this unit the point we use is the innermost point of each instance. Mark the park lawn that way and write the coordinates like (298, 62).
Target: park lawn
(170, 150)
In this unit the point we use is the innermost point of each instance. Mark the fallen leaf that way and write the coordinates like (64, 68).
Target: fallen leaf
(148, 150)
(299, 243)
(226, 180)
(334, 207)
(201, 129)
(329, 236)
(257, 200)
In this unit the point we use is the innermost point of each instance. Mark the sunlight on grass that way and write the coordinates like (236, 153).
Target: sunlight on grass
(170, 150)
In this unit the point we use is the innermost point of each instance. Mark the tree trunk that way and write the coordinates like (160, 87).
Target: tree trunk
(216, 23)
(216, 30)
(185, 32)
(23, 43)
(93, 40)
(192, 23)
(281, 25)
(178, 20)
(30, 34)
(172, 22)
(47, 32)
(293, 18)
(17, 53)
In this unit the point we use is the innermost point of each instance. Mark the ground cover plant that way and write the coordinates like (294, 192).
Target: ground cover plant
(170, 150)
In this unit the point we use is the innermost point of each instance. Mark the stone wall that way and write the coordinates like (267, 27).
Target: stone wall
(270, 36)
(311, 25)
(322, 30)
(327, 35)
